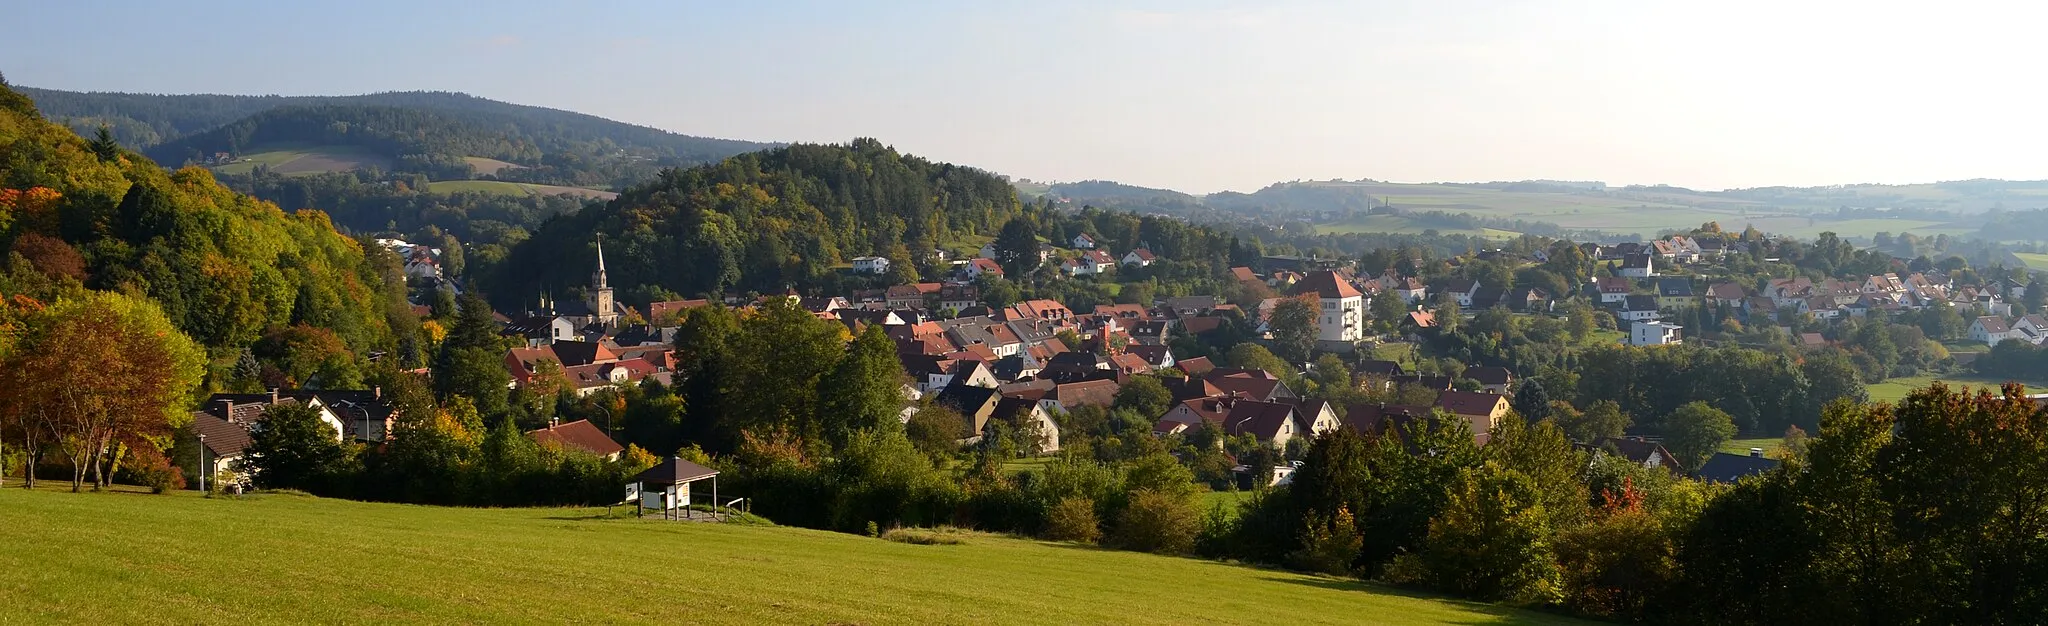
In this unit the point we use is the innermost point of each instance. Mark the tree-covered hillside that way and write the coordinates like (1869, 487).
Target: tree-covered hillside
(556, 147)
(231, 271)
(764, 221)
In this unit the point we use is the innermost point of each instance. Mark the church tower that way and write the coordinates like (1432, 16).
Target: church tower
(601, 305)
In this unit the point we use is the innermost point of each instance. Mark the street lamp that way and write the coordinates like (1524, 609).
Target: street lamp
(607, 418)
(202, 462)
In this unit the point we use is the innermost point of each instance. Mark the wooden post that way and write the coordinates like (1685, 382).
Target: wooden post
(687, 514)
(714, 496)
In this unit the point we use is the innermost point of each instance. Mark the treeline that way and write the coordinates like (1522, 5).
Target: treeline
(365, 201)
(224, 268)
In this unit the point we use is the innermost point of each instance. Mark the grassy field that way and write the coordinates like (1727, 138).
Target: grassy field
(1771, 445)
(2034, 260)
(1404, 225)
(1629, 211)
(515, 189)
(1897, 388)
(122, 558)
(490, 166)
(306, 160)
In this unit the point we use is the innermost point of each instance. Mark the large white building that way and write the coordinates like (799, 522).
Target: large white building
(1341, 316)
(1652, 333)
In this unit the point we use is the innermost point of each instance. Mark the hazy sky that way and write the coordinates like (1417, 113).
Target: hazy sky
(1190, 94)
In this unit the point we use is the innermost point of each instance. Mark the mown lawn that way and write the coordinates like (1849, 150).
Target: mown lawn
(126, 558)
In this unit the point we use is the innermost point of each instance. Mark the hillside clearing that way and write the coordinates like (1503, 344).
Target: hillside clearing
(516, 189)
(1896, 389)
(133, 558)
(306, 160)
(490, 166)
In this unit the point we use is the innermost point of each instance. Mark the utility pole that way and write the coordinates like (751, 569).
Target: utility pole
(202, 462)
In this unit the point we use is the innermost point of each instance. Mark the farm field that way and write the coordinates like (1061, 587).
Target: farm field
(306, 160)
(516, 189)
(126, 558)
(1771, 445)
(1895, 389)
(2034, 260)
(1404, 225)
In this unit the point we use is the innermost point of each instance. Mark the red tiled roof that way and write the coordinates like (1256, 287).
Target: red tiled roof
(577, 435)
(1100, 393)
(1243, 274)
(1325, 284)
(1196, 366)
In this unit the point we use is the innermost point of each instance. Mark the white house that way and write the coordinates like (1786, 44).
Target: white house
(1652, 333)
(1991, 330)
(1641, 308)
(871, 264)
(983, 266)
(1139, 257)
(1462, 290)
(1084, 242)
(1637, 266)
(1341, 315)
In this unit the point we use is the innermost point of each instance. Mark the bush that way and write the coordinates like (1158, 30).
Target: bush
(1157, 522)
(940, 536)
(1329, 545)
(1073, 519)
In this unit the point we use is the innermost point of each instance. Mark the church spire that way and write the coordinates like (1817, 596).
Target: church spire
(600, 280)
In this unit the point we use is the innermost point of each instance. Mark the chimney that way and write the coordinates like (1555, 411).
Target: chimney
(1756, 452)
(377, 392)
(228, 414)
(554, 422)
(273, 395)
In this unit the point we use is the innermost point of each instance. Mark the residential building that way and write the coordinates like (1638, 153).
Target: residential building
(1637, 265)
(1140, 257)
(1639, 308)
(871, 264)
(1340, 318)
(1991, 330)
(1482, 410)
(1083, 242)
(577, 435)
(1728, 468)
(1676, 293)
(1612, 289)
(1462, 290)
(1491, 378)
(1652, 333)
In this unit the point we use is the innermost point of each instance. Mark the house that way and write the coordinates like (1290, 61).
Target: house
(1197, 366)
(1639, 308)
(1083, 242)
(871, 264)
(1272, 423)
(1649, 454)
(1482, 410)
(1991, 330)
(1728, 468)
(226, 444)
(1031, 415)
(1411, 289)
(910, 296)
(974, 404)
(1726, 294)
(1636, 266)
(1812, 340)
(1140, 257)
(1244, 275)
(958, 297)
(1652, 333)
(1156, 357)
(541, 330)
(1491, 378)
(1612, 289)
(1462, 290)
(577, 435)
(2033, 327)
(248, 410)
(1319, 416)
(1066, 397)
(981, 266)
(1340, 318)
(1676, 293)
(1254, 384)
(1530, 300)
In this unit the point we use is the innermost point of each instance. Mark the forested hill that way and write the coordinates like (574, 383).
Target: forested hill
(238, 275)
(558, 147)
(763, 221)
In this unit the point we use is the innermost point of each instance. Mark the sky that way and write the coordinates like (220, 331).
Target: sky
(1195, 95)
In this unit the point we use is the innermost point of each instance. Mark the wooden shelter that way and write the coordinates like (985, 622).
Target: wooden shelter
(667, 487)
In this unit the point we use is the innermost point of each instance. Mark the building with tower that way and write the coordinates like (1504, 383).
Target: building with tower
(598, 307)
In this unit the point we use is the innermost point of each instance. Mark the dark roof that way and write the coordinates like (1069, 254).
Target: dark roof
(1635, 260)
(1640, 451)
(579, 435)
(1469, 402)
(1373, 419)
(1674, 287)
(1196, 366)
(673, 471)
(1153, 355)
(1640, 303)
(1727, 468)
(222, 438)
(1260, 419)
(1993, 324)
(1325, 284)
(574, 353)
(1490, 375)
(1384, 369)
(965, 399)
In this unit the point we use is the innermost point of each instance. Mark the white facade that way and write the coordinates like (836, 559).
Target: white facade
(1341, 319)
(871, 264)
(1652, 334)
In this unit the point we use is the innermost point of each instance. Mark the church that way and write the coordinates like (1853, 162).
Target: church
(598, 307)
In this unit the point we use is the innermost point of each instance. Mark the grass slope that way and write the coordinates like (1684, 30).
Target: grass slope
(515, 189)
(306, 160)
(129, 558)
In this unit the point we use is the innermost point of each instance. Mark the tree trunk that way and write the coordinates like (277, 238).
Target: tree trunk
(28, 468)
